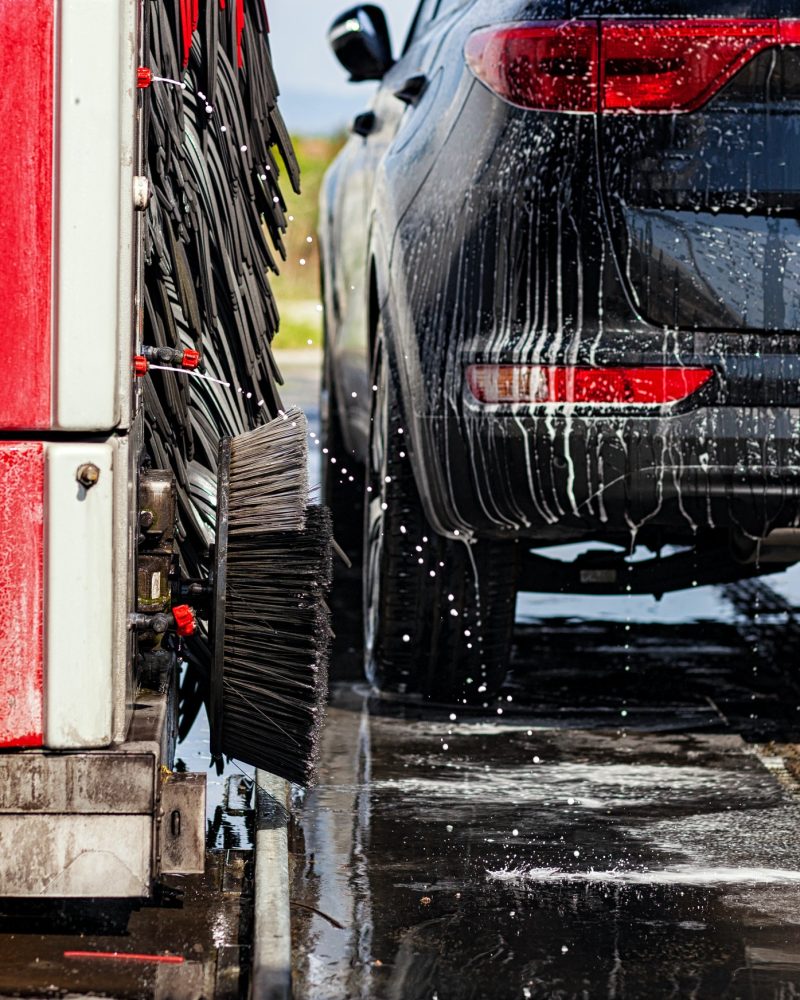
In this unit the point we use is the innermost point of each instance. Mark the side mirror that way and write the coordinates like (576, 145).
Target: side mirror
(360, 41)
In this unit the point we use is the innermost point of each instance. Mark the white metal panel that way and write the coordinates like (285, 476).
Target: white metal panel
(79, 605)
(94, 211)
(75, 856)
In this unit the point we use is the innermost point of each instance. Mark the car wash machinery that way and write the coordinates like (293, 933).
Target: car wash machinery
(96, 599)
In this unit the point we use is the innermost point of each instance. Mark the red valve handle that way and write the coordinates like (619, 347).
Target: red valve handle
(140, 365)
(190, 360)
(185, 621)
(144, 77)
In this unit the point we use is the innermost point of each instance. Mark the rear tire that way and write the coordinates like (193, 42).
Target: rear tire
(342, 475)
(438, 612)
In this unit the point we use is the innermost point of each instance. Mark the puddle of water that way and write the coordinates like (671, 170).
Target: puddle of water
(225, 831)
(200, 921)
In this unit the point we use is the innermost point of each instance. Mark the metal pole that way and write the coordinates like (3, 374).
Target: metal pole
(272, 951)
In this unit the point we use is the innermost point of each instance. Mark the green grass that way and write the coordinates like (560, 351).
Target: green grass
(299, 277)
(301, 325)
(297, 287)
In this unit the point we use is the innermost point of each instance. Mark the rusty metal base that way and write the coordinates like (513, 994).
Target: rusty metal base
(101, 822)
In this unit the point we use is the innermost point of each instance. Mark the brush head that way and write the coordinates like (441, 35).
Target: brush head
(276, 647)
(271, 632)
(268, 477)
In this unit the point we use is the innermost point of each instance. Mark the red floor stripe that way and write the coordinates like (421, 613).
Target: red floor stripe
(122, 956)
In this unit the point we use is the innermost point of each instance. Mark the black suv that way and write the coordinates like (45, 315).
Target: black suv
(562, 297)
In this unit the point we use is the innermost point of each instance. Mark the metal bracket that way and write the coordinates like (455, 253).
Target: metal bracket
(182, 824)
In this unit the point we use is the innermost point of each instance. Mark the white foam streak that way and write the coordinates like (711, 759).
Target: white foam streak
(679, 875)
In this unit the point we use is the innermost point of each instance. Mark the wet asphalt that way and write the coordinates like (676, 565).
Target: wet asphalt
(622, 822)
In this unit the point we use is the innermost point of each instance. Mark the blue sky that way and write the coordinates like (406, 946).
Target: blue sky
(316, 97)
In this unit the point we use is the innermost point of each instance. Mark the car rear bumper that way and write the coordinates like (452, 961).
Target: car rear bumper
(561, 474)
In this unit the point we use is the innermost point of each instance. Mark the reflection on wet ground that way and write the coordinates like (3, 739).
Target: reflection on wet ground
(203, 921)
(622, 822)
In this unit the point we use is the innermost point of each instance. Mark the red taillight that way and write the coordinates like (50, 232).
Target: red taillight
(675, 65)
(587, 66)
(549, 65)
(553, 384)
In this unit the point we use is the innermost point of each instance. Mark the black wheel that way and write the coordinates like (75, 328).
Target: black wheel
(343, 492)
(342, 475)
(438, 612)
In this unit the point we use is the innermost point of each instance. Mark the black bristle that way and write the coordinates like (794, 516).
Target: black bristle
(276, 647)
(214, 230)
(269, 477)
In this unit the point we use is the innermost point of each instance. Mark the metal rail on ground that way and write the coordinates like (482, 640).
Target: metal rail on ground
(272, 953)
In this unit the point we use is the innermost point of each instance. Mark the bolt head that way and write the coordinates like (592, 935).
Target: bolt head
(87, 474)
